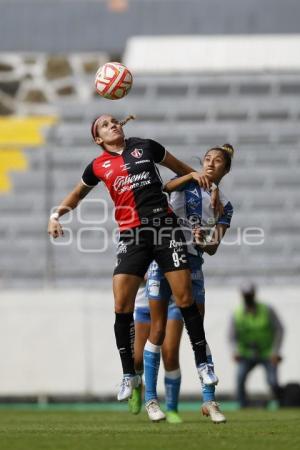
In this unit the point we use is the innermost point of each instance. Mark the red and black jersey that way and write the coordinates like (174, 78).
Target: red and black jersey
(133, 181)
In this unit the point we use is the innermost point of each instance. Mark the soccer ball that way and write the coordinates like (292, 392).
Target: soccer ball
(113, 81)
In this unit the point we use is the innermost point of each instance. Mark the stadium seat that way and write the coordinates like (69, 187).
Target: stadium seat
(258, 114)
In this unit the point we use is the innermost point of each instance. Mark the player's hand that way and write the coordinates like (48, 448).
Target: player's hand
(54, 228)
(275, 359)
(202, 180)
(206, 183)
(199, 236)
(216, 203)
(237, 357)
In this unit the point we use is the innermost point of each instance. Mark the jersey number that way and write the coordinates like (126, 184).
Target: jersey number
(176, 259)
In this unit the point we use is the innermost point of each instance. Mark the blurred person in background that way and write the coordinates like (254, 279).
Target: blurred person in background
(256, 335)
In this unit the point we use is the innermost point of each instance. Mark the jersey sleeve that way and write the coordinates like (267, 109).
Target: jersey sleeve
(88, 177)
(225, 219)
(157, 150)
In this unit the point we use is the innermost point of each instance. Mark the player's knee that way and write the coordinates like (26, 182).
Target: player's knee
(184, 300)
(157, 334)
(122, 308)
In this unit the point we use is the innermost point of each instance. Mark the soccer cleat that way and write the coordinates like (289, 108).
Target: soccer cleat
(173, 417)
(129, 382)
(207, 374)
(135, 401)
(154, 412)
(211, 409)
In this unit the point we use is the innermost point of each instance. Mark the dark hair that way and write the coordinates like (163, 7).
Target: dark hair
(227, 150)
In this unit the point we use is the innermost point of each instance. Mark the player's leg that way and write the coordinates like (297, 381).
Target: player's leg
(142, 329)
(125, 288)
(170, 355)
(132, 263)
(180, 283)
(244, 368)
(170, 254)
(156, 295)
(158, 312)
(272, 378)
(210, 407)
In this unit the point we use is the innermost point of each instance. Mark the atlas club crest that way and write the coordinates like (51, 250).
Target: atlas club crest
(137, 153)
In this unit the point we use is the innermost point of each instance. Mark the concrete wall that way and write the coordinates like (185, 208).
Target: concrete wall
(91, 25)
(218, 54)
(62, 342)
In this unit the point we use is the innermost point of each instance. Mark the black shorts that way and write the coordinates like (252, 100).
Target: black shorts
(161, 239)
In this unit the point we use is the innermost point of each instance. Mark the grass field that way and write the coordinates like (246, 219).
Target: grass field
(72, 430)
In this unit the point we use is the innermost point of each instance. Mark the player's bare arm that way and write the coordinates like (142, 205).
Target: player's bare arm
(174, 185)
(176, 165)
(203, 181)
(70, 202)
(181, 168)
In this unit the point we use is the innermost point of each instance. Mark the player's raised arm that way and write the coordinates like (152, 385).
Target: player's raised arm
(177, 183)
(69, 202)
(176, 165)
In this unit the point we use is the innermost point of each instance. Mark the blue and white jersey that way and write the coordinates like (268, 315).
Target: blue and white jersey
(192, 204)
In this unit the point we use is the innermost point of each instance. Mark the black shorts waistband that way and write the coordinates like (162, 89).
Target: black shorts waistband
(167, 220)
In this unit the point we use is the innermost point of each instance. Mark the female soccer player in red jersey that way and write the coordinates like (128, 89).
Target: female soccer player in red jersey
(148, 231)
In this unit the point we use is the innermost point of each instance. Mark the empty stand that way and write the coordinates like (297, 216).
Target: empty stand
(258, 114)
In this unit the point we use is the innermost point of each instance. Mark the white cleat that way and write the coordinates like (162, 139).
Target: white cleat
(154, 412)
(211, 409)
(207, 374)
(127, 386)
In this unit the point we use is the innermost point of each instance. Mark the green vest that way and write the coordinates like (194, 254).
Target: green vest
(254, 332)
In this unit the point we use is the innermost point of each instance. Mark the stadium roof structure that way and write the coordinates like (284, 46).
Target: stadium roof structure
(238, 53)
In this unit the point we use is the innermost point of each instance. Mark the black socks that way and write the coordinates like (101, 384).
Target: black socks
(194, 325)
(124, 332)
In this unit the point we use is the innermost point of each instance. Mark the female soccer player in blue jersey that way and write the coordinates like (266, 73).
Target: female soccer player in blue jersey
(203, 232)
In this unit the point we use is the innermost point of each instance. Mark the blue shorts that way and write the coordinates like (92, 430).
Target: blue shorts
(142, 314)
(157, 287)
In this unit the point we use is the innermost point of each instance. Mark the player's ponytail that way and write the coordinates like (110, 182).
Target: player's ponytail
(229, 149)
(228, 152)
(127, 119)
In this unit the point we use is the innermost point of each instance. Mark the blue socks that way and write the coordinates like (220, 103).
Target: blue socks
(172, 378)
(151, 366)
(172, 388)
(208, 391)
